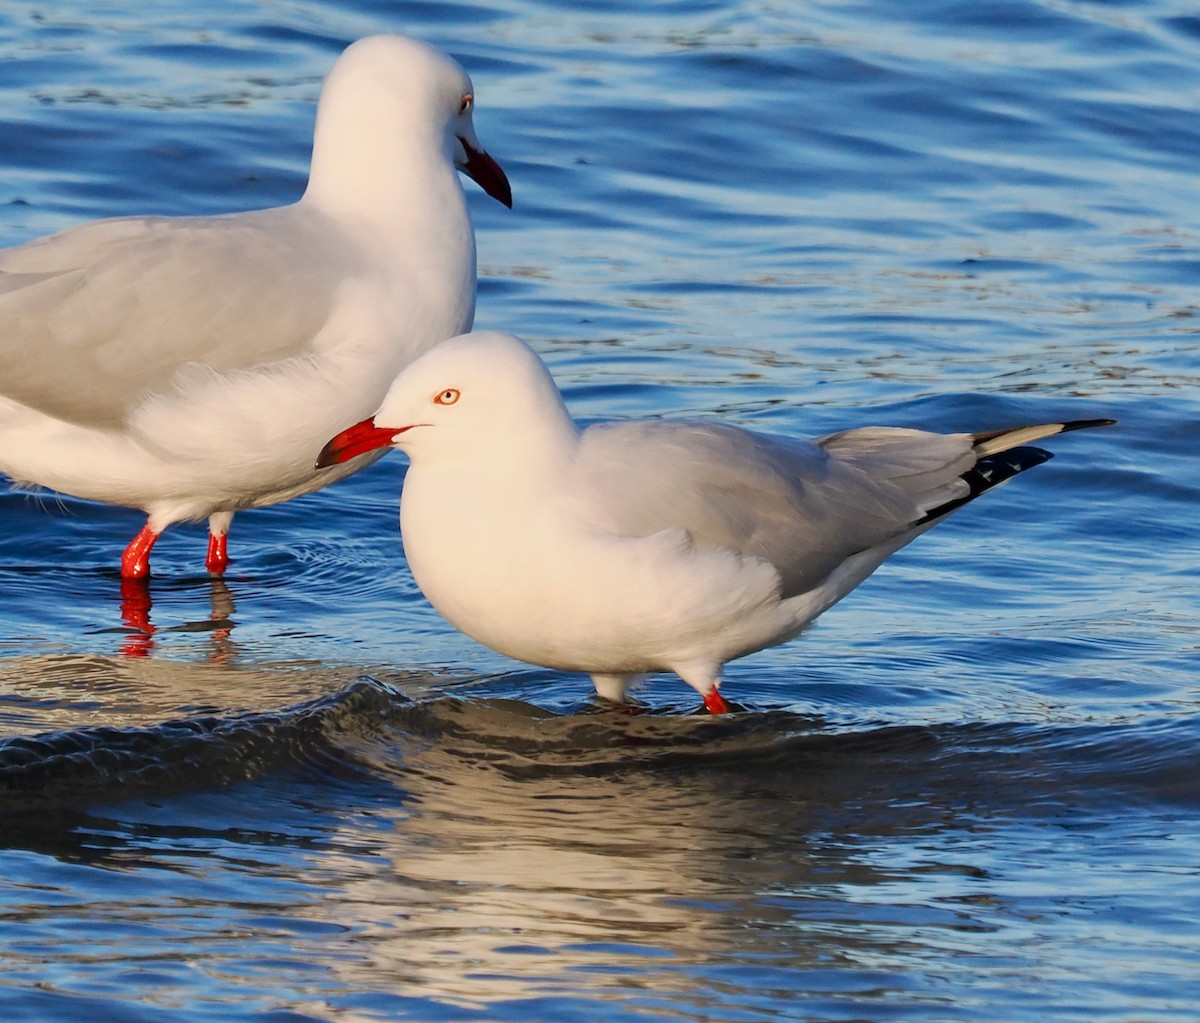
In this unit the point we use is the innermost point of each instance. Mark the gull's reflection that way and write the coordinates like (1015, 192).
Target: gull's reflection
(483, 851)
(140, 630)
(135, 614)
(525, 877)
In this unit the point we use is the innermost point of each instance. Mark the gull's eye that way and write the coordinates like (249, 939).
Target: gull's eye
(447, 397)
(465, 106)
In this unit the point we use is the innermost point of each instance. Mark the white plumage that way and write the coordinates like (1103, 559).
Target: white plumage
(188, 366)
(633, 547)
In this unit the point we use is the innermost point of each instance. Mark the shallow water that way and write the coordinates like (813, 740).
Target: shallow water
(969, 792)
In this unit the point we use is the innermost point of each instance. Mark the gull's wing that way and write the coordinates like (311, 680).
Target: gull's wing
(94, 318)
(802, 506)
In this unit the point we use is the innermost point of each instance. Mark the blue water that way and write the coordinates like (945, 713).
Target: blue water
(970, 792)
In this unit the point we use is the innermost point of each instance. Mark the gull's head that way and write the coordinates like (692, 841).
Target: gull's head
(485, 395)
(388, 96)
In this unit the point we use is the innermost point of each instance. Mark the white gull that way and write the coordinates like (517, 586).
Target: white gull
(640, 546)
(189, 366)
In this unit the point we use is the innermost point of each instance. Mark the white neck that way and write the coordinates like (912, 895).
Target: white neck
(399, 195)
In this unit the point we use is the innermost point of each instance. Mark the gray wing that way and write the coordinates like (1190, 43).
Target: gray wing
(802, 506)
(93, 318)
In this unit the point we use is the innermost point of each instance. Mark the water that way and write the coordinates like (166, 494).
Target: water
(968, 793)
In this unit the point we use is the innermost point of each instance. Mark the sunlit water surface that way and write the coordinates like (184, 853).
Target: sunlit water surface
(968, 793)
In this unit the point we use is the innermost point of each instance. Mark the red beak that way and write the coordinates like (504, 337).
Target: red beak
(486, 173)
(356, 440)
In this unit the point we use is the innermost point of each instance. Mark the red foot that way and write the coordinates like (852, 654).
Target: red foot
(218, 553)
(135, 562)
(715, 702)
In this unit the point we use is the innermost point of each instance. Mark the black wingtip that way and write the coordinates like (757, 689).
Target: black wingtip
(992, 470)
(995, 469)
(1086, 424)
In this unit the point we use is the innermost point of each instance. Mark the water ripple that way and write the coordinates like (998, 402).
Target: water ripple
(371, 727)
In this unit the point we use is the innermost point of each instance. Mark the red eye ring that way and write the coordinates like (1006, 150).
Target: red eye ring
(466, 103)
(447, 397)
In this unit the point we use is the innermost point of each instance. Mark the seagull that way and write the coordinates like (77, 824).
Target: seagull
(189, 366)
(640, 546)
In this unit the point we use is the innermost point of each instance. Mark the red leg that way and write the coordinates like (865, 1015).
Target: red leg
(218, 553)
(715, 702)
(135, 562)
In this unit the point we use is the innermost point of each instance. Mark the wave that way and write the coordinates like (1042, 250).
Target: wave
(107, 763)
(371, 729)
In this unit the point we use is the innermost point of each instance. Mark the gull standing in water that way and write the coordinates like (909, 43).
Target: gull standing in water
(641, 546)
(189, 366)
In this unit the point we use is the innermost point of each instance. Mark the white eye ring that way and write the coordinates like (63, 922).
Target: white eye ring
(447, 397)
(465, 105)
